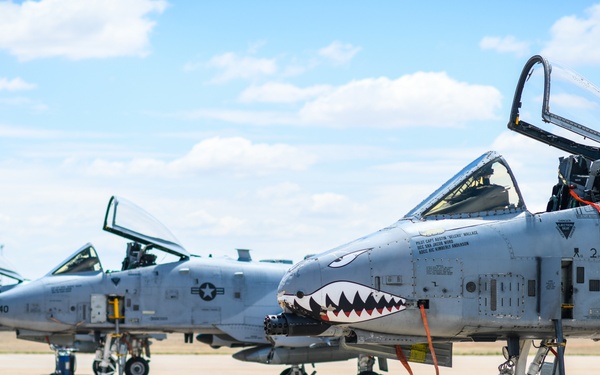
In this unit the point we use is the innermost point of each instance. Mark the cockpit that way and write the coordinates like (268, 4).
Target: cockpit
(487, 186)
(127, 220)
(83, 260)
(484, 187)
(570, 112)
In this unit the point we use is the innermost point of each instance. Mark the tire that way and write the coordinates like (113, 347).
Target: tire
(368, 373)
(110, 370)
(137, 366)
(288, 371)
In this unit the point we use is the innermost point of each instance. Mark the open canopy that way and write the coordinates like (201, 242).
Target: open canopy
(567, 103)
(553, 105)
(130, 221)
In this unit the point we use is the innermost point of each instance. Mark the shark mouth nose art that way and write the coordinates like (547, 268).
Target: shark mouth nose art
(345, 302)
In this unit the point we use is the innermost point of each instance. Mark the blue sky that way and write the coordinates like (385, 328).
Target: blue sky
(284, 127)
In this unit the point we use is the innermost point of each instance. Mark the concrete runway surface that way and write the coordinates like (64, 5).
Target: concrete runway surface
(43, 364)
(174, 356)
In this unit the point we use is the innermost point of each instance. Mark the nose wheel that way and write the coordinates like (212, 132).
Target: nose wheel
(365, 365)
(110, 357)
(294, 370)
(111, 369)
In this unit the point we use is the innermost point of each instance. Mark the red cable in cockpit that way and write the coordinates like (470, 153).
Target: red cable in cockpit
(574, 195)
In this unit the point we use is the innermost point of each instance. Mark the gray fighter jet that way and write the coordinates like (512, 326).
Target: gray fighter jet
(78, 306)
(471, 263)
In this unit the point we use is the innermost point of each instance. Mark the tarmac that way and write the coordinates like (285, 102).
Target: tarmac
(174, 356)
(43, 364)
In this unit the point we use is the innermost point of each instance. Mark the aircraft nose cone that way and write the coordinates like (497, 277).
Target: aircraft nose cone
(338, 287)
(8, 310)
(23, 307)
(300, 281)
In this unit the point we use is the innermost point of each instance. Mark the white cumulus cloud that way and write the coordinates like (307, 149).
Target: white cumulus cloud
(19, 132)
(419, 99)
(209, 224)
(573, 101)
(77, 29)
(328, 203)
(339, 53)
(237, 156)
(242, 156)
(232, 66)
(15, 84)
(574, 40)
(274, 92)
(422, 98)
(507, 44)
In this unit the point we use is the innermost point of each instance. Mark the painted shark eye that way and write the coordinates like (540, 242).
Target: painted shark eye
(346, 259)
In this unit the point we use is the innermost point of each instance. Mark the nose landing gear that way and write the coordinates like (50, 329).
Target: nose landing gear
(112, 359)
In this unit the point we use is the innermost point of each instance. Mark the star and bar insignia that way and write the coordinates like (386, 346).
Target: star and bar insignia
(208, 291)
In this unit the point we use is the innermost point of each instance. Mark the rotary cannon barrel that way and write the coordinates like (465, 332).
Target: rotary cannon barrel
(293, 325)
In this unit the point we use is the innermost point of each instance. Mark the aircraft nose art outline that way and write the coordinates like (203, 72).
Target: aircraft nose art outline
(345, 302)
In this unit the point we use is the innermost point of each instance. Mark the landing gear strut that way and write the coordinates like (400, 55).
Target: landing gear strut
(516, 358)
(122, 346)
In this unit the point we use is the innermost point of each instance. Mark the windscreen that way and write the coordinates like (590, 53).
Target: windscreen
(86, 260)
(489, 189)
(485, 185)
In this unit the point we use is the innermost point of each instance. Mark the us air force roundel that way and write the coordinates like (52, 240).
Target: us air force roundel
(208, 291)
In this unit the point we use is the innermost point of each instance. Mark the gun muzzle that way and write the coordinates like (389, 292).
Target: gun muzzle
(286, 324)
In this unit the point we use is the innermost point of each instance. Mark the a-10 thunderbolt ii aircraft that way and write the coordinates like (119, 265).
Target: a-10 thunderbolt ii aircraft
(78, 306)
(471, 263)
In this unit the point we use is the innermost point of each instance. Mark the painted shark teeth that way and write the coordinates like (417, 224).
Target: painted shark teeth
(345, 302)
